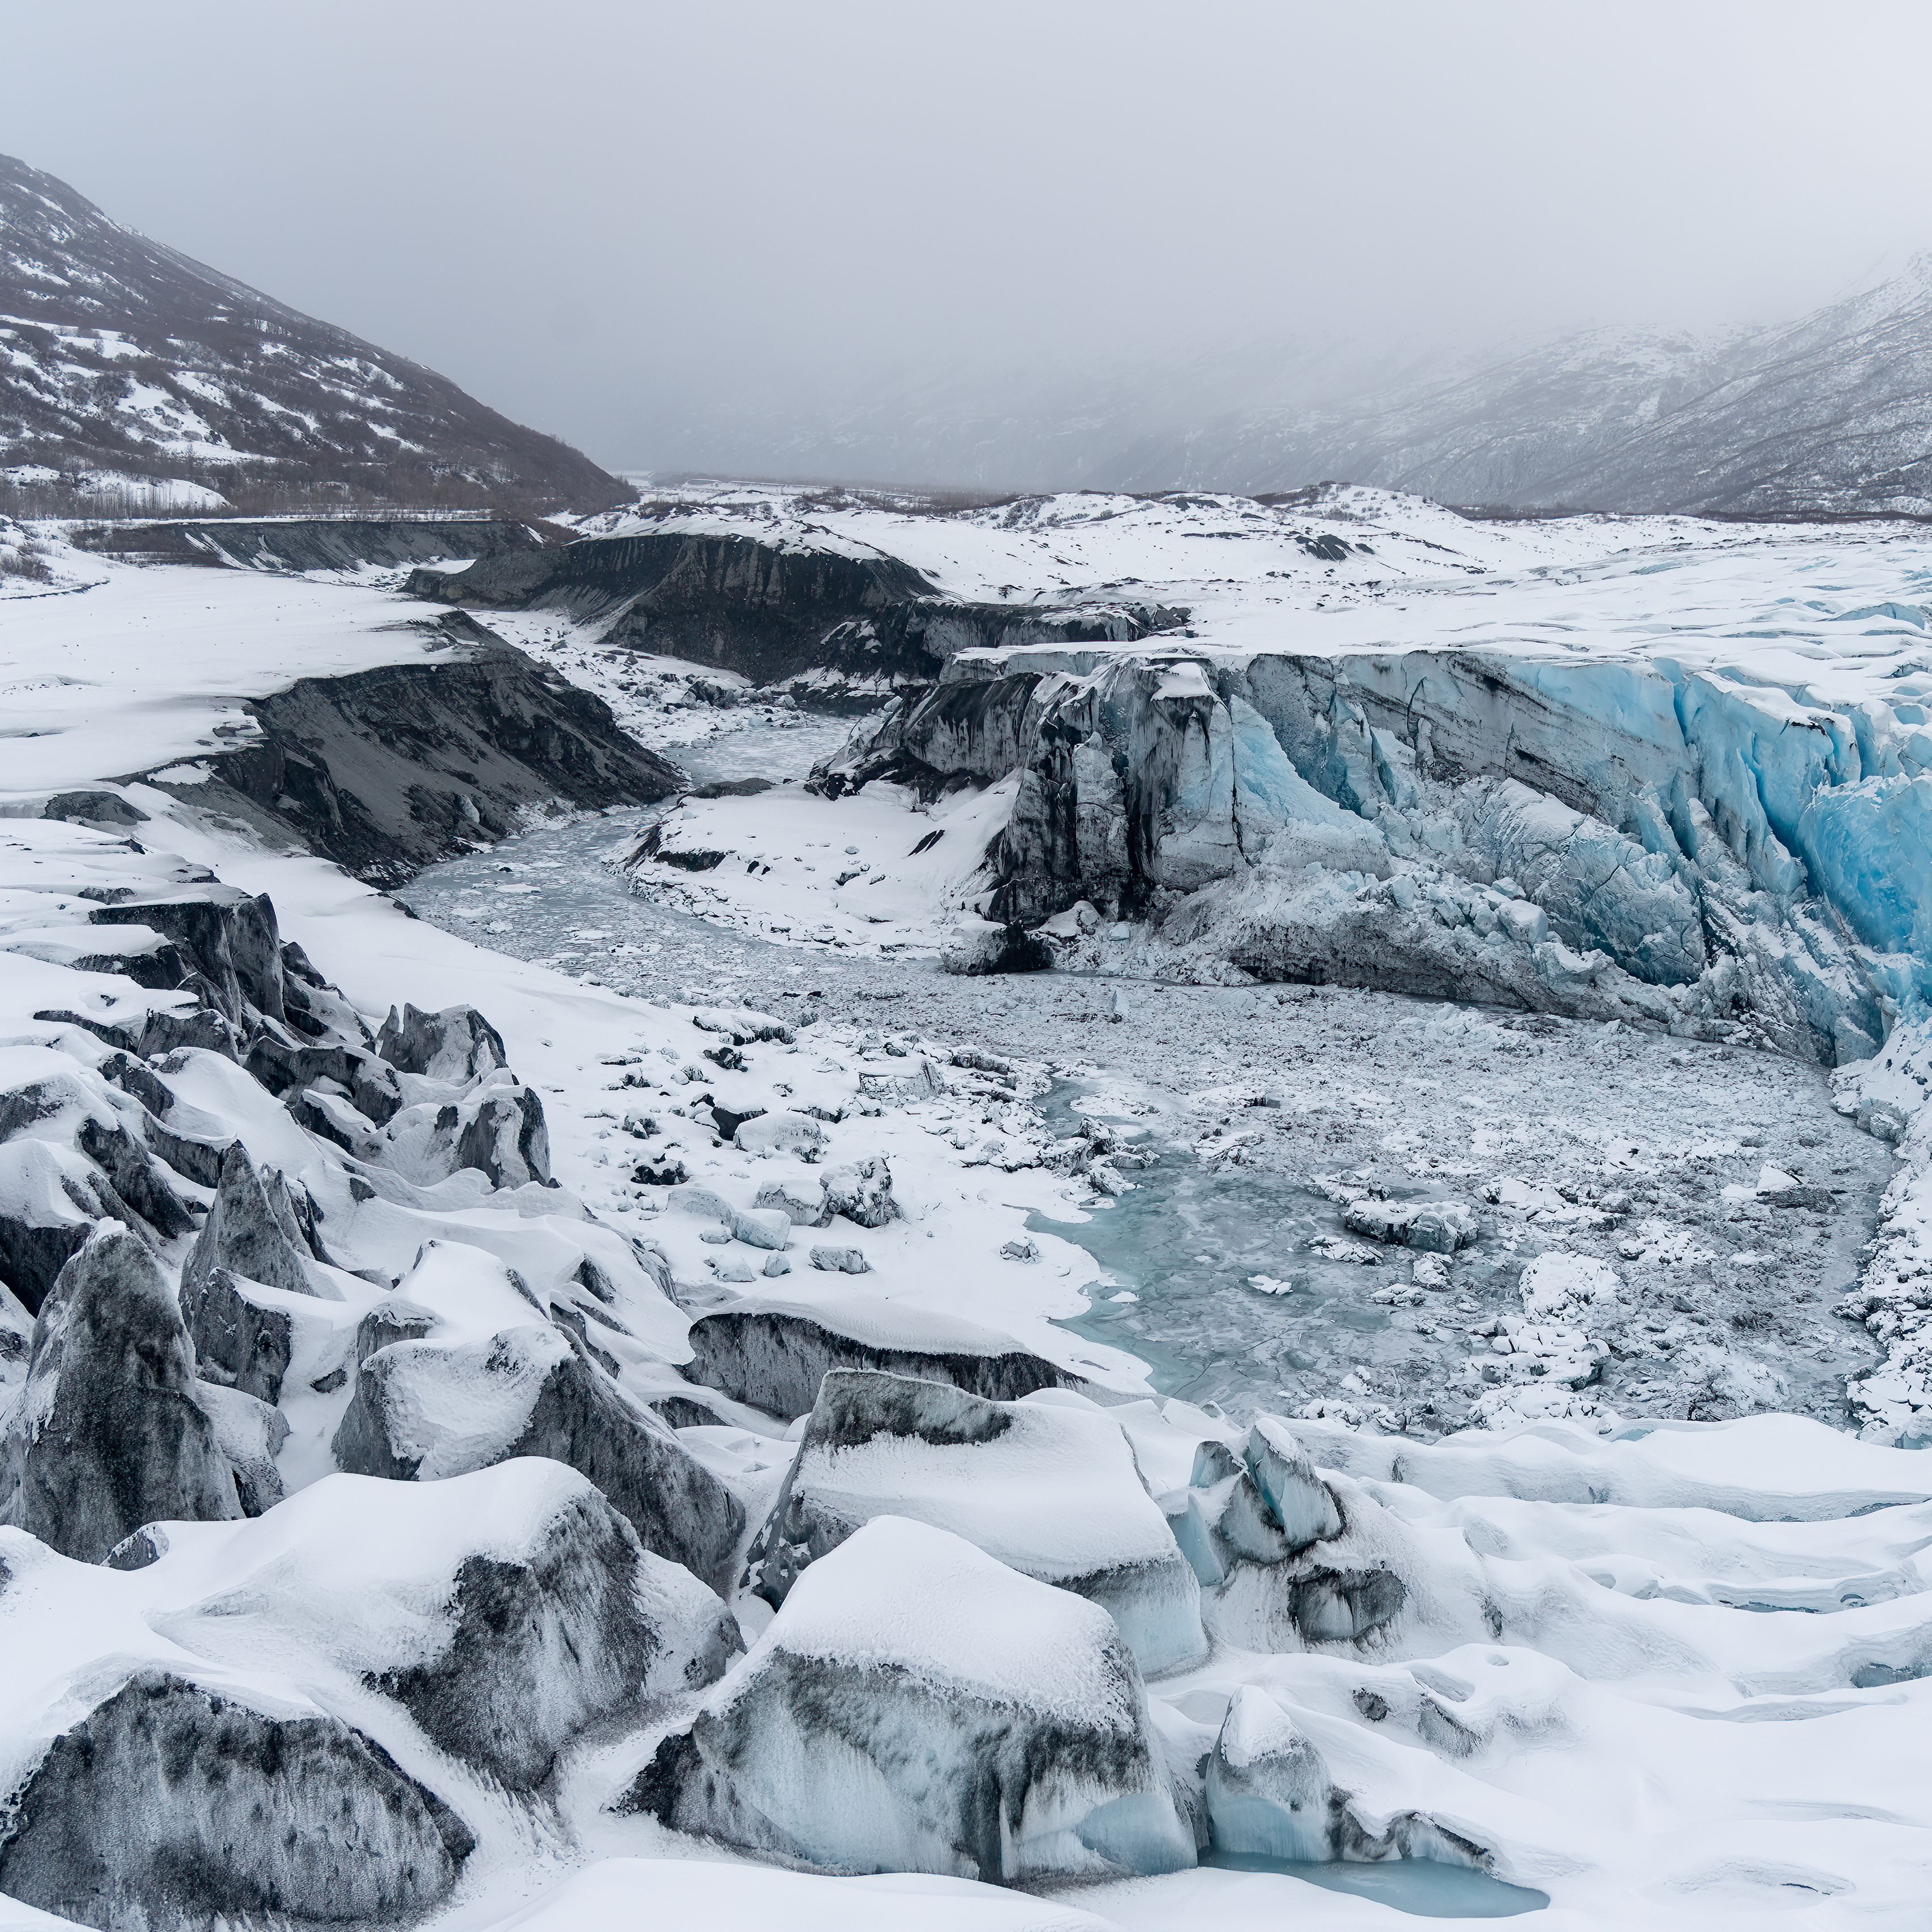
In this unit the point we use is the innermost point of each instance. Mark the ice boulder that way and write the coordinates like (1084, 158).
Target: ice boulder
(1292, 1559)
(773, 1354)
(228, 938)
(506, 1611)
(762, 1226)
(488, 1379)
(68, 1159)
(457, 1045)
(1052, 1492)
(249, 1433)
(862, 1191)
(252, 1230)
(106, 1433)
(1264, 1506)
(1436, 1227)
(917, 1706)
(246, 1279)
(1269, 1795)
(1268, 1791)
(168, 1805)
(496, 1125)
(799, 1135)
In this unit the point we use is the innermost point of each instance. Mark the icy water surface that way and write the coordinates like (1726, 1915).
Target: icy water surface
(1418, 1886)
(1217, 1290)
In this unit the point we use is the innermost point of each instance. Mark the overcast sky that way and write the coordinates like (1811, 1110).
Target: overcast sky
(669, 233)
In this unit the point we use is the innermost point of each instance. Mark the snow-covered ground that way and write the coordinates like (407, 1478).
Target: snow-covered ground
(1668, 1671)
(1837, 606)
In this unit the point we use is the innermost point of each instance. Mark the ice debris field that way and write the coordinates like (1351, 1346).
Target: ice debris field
(619, 1396)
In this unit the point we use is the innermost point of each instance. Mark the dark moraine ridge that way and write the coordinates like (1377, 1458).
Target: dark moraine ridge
(770, 611)
(288, 544)
(386, 771)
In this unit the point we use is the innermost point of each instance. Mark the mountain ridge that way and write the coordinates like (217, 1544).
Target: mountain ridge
(128, 369)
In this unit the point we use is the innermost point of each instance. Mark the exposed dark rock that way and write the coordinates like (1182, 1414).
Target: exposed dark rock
(506, 1138)
(168, 1804)
(295, 544)
(240, 1339)
(159, 1033)
(109, 1434)
(668, 1171)
(93, 808)
(775, 1357)
(55, 1203)
(136, 1179)
(149, 1544)
(280, 1059)
(33, 1251)
(392, 1320)
(685, 858)
(687, 1411)
(252, 1230)
(851, 629)
(731, 788)
(760, 609)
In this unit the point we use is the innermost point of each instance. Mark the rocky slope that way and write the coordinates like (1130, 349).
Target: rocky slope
(388, 769)
(127, 366)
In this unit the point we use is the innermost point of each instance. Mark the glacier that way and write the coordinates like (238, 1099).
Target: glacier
(586, 1568)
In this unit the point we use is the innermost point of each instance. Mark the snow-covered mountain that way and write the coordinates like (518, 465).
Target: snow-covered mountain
(127, 365)
(1830, 414)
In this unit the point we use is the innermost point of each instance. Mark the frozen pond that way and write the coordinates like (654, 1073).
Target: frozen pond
(1638, 1149)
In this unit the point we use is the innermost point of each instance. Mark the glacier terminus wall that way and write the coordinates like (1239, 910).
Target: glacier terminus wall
(1651, 841)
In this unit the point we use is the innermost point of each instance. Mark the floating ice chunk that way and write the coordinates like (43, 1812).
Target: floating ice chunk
(1438, 1227)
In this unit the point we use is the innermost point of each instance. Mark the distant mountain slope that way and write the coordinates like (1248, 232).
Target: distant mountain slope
(119, 356)
(1832, 413)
